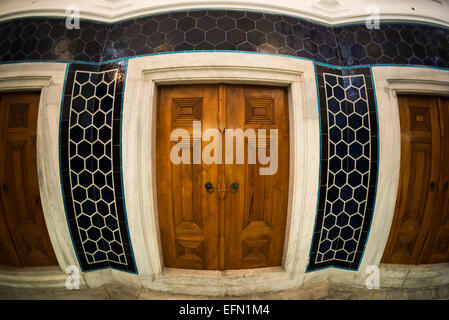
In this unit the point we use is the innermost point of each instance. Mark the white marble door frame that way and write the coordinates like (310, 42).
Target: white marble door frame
(144, 74)
(389, 81)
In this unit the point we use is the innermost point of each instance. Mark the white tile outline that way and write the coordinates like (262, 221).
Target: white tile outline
(113, 203)
(351, 255)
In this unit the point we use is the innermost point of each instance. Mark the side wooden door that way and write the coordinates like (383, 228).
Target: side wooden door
(8, 254)
(187, 212)
(255, 215)
(436, 248)
(21, 211)
(417, 234)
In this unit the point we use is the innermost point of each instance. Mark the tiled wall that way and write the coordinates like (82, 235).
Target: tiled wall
(91, 121)
(349, 164)
(91, 166)
(393, 43)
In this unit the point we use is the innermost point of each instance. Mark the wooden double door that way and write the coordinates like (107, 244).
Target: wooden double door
(420, 229)
(24, 239)
(225, 214)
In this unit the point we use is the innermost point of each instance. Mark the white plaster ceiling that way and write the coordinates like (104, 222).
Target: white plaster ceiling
(332, 12)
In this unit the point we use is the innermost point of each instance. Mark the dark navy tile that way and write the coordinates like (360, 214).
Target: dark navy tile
(48, 39)
(92, 163)
(344, 186)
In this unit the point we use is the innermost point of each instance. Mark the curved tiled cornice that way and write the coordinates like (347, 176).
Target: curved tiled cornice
(31, 39)
(328, 12)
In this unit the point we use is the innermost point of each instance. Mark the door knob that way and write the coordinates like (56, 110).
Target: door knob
(446, 185)
(432, 186)
(209, 187)
(5, 187)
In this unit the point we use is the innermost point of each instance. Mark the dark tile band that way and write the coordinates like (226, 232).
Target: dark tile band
(394, 43)
(91, 168)
(348, 167)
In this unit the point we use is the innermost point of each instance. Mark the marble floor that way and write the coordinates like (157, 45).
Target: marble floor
(319, 291)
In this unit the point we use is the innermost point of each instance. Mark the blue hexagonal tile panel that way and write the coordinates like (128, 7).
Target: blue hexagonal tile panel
(92, 188)
(348, 181)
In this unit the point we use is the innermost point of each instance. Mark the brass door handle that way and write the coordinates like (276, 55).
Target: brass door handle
(432, 186)
(234, 187)
(209, 187)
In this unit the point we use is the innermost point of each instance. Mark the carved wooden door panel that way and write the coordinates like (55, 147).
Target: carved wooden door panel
(21, 208)
(436, 248)
(187, 213)
(255, 216)
(419, 233)
(8, 255)
(217, 229)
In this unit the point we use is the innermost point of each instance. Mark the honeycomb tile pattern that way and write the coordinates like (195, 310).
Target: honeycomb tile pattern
(348, 168)
(92, 177)
(222, 30)
(91, 166)
(393, 43)
(49, 39)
